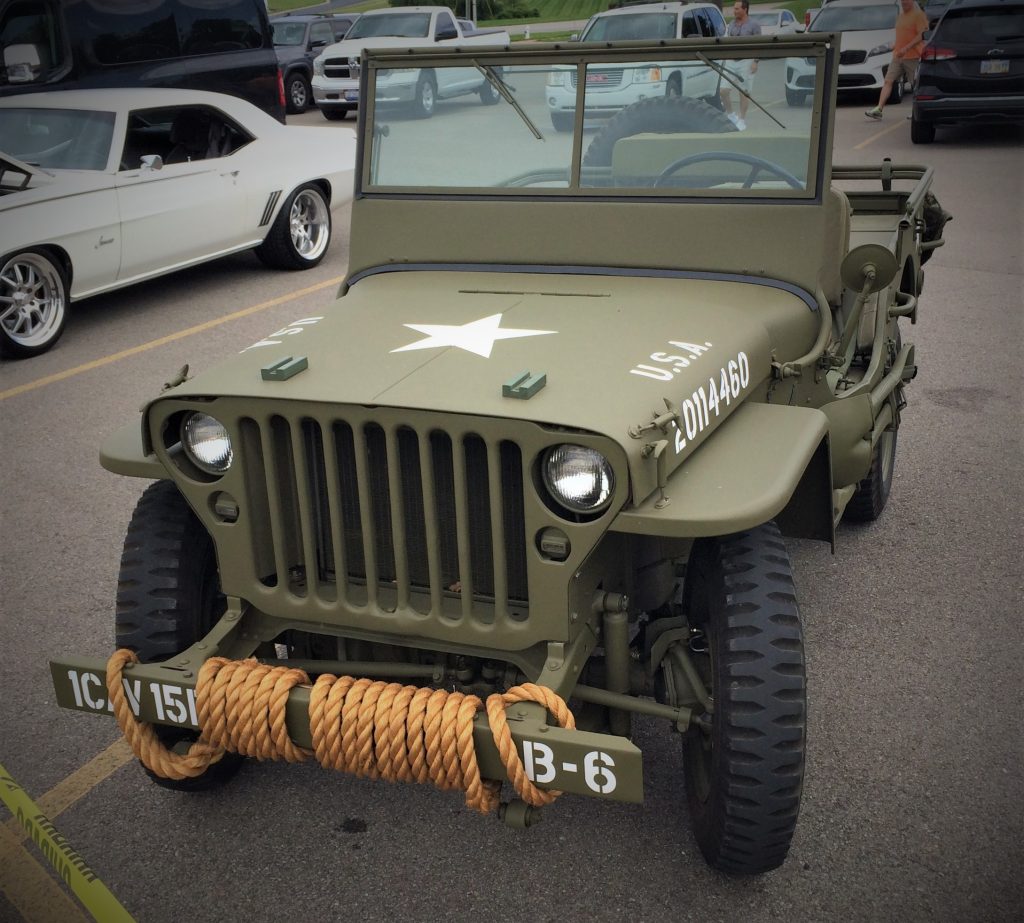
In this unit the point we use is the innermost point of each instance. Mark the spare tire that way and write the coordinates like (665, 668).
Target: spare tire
(660, 115)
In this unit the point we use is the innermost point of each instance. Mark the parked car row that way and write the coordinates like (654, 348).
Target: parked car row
(100, 189)
(298, 40)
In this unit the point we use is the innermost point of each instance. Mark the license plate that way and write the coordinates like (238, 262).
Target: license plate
(353, 95)
(995, 67)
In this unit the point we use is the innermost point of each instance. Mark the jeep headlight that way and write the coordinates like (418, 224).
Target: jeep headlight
(578, 478)
(207, 442)
(318, 66)
(880, 49)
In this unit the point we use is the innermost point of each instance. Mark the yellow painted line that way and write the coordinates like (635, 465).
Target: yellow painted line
(163, 341)
(71, 868)
(885, 131)
(30, 889)
(82, 781)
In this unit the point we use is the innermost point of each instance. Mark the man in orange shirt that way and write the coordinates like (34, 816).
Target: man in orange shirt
(906, 52)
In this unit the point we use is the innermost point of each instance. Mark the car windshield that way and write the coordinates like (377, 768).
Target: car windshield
(982, 26)
(57, 139)
(672, 140)
(856, 18)
(400, 25)
(631, 27)
(289, 33)
(765, 19)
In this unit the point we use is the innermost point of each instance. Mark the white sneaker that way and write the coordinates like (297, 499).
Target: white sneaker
(740, 125)
(734, 118)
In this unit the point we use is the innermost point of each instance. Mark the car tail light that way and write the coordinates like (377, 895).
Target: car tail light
(280, 88)
(807, 17)
(931, 53)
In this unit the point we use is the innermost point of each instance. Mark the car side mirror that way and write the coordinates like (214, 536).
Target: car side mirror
(575, 37)
(800, 27)
(152, 162)
(316, 43)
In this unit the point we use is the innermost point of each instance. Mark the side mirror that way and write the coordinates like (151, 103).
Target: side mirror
(444, 34)
(800, 27)
(316, 43)
(575, 37)
(152, 162)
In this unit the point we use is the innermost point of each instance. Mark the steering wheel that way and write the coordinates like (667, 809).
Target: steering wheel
(757, 164)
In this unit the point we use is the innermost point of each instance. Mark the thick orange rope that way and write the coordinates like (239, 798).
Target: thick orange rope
(372, 729)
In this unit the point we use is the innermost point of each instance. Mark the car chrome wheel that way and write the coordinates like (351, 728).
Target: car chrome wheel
(310, 224)
(33, 303)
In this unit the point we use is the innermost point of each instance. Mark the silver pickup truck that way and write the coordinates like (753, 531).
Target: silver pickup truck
(336, 70)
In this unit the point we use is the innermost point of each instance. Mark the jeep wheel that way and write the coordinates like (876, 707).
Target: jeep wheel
(426, 98)
(744, 769)
(168, 597)
(33, 303)
(662, 115)
(301, 231)
(297, 93)
(872, 493)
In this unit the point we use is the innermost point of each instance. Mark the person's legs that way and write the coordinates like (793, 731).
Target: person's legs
(894, 73)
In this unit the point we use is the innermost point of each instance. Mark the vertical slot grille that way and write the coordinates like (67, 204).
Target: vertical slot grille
(388, 515)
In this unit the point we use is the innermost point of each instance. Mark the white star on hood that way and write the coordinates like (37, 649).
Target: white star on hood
(477, 336)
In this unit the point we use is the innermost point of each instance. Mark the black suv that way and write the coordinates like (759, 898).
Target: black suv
(298, 39)
(972, 69)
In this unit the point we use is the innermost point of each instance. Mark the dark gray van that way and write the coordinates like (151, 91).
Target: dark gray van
(224, 46)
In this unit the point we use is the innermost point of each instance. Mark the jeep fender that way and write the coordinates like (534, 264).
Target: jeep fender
(123, 452)
(767, 461)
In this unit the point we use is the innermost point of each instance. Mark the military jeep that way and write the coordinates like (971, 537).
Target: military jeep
(574, 393)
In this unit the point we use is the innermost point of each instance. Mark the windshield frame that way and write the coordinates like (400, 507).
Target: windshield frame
(563, 57)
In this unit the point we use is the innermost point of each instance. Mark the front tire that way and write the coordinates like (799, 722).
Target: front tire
(563, 121)
(744, 769)
(795, 98)
(334, 113)
(872, 493)
(168, 598)
(301, 232)
(33, 303)
(426, 98)
(298, 93)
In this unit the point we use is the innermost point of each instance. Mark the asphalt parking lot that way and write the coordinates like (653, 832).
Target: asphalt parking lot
(912, 798)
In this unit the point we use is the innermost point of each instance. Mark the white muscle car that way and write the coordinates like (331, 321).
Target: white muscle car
(103, 188)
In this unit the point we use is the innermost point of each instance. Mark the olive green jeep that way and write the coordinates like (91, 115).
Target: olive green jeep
(575, 391)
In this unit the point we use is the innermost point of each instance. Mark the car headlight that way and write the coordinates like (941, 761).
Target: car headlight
(578, 478)
(647, 75)
(318, 67)
(207, 442)
(880, 49)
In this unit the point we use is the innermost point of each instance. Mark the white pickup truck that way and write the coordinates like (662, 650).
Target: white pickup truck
(336, 70)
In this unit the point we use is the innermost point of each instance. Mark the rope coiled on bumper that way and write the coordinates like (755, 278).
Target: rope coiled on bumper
(372, 729)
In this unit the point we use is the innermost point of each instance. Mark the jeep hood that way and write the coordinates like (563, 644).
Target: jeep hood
(613, 349)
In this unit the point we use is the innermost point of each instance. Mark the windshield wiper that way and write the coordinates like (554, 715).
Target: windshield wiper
(722, 72)
(506, 94)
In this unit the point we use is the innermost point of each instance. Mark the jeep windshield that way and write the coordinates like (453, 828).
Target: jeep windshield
(651, 123)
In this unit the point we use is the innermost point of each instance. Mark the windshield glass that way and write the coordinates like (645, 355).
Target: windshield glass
(402, 25)
(57, 139)
(856, 18)
(289, 33)
(765, 19)
(667, 138)
(631, 27)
